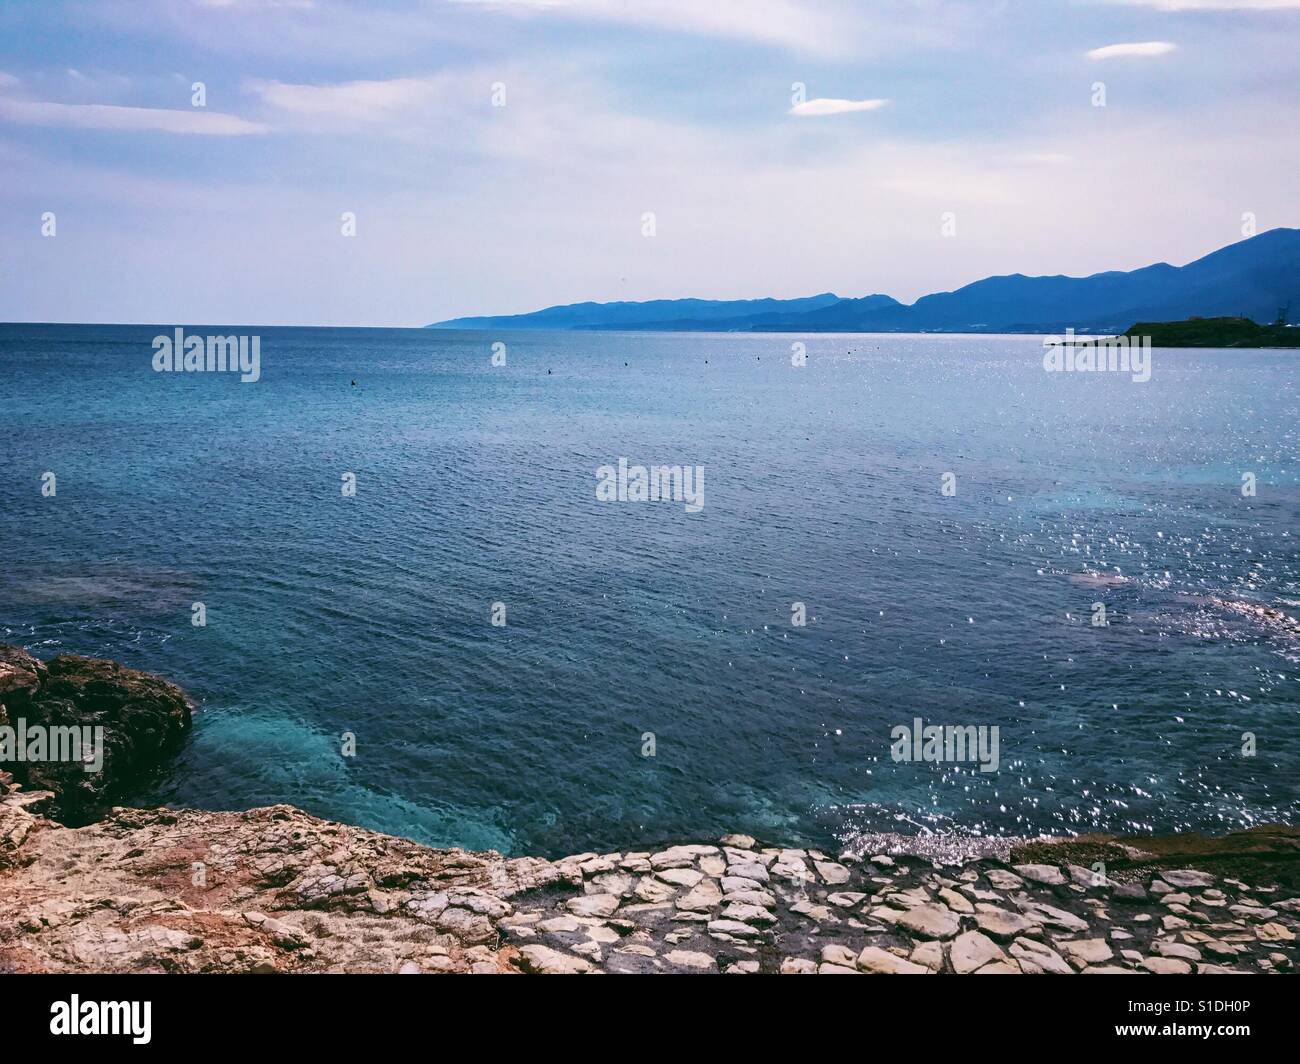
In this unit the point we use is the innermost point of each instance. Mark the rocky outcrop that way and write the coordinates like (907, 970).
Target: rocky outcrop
(140, 718)
(278, 890)
(274, 889)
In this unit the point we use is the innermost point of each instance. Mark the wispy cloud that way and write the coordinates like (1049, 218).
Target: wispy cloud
(781, 22)
(365, 101)
(824, 106)
(133, 119)
(254, 3)
(1136, 49)
(1217, 5)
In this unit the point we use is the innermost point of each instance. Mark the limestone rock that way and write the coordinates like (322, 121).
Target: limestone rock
(832, 873)
(876, 961)
(930, 921)
(1000, 923)
(838, 954)
(750, 870)
(1166, 966)
(593, 905)
(1036, 958)
(958, 903)
(971, 950)
(1187, 877)
(545, 961)
(928, 955)
(1048, 875)
(1004, 880)
(739, 842)
(749, 914)
(733, 928)
(699, 962)
(1176, 950)
(1086, 950)
(680, 877)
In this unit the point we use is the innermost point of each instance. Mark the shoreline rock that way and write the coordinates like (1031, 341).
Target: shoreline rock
(142, 719)
(278, 890)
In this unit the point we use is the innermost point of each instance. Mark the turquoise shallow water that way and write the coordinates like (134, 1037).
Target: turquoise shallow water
(476, 484)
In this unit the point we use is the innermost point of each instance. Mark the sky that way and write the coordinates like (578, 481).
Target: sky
(499, 156)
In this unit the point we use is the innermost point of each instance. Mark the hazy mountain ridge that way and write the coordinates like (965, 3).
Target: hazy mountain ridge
(1252, 278)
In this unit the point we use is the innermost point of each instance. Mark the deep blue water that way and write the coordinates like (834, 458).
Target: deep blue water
(476, 484)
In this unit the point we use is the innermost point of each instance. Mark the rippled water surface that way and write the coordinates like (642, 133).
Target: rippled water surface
(476, 484)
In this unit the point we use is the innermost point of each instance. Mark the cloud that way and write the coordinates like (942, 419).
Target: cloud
(780, 22)
(7, 80)
(255, 3)
(366, 101)
(1141, 48)
(822, 106)
(1217, 5)
(134, 119)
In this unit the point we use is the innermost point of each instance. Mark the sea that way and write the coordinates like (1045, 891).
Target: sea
(388, 575)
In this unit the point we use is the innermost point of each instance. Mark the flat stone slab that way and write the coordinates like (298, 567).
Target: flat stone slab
(876, 961)
(1048, 875)
(593, 905)
(700, 962)
(734, 928)
(971, 950)
(1187, 877)
(930, 921)
(547, 961)
(1001, 923)
(1086, 950)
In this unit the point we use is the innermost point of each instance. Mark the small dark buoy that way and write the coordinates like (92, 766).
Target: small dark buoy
(548, 372)
(354, 384)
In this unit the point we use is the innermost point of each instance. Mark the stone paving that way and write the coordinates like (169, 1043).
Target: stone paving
(738, 908)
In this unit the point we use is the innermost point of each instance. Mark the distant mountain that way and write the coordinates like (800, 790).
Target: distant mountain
(1252, 278)
(689, 314)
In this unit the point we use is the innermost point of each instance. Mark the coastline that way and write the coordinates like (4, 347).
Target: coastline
(115, 889)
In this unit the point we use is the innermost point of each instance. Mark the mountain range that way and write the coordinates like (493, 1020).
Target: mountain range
(1252, 278)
